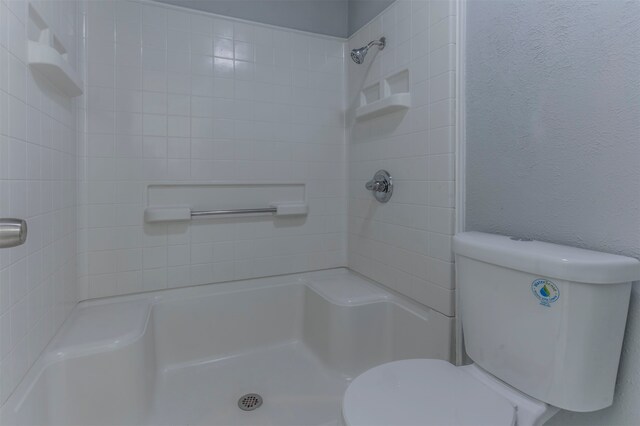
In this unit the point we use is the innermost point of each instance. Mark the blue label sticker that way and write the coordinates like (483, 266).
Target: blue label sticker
(546, 291)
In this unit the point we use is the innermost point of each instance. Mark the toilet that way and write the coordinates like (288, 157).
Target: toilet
(543, 325)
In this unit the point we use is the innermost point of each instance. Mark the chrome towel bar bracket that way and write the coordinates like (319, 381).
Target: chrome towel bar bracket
(13, 232)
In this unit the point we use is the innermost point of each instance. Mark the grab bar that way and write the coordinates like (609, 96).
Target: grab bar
(197, 213)
(153, 214)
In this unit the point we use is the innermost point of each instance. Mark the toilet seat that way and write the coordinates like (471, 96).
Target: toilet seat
(424, 392)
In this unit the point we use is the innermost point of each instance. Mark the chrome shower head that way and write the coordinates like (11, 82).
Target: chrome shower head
(358, 55)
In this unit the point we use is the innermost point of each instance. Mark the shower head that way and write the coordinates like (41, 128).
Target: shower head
(358, 54)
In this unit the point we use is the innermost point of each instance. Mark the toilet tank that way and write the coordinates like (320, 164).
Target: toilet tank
(546, 319)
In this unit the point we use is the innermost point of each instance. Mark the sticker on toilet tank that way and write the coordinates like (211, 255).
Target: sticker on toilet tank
(546, 291)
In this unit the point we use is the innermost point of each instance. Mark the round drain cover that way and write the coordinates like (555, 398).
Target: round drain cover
(249, 402)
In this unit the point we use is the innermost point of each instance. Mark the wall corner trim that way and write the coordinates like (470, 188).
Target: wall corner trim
(460, 152)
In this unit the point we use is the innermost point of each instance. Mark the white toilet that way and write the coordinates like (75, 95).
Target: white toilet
(543, 324)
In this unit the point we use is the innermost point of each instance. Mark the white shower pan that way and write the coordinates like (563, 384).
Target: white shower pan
(186, 356)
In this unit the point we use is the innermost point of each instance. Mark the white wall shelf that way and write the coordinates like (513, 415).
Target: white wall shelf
(389, 104)
(51, 64)
(385, 97)
(48, 56)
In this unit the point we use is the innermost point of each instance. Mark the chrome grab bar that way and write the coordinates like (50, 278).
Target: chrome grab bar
(154, 214)
(198, 213)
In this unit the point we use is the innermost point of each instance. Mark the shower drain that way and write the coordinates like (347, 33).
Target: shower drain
(249, 402)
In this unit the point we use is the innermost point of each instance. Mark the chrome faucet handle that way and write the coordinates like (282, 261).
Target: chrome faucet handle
(381, 185)
(374, 185)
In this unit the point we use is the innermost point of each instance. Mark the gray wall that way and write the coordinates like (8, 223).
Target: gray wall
(339, 18)
(362, 11)
(317, 16)
(553, 139)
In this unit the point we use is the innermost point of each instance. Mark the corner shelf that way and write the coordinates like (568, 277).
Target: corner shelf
(391, 103)
(52, 65)
(48, 56)
(385, 97)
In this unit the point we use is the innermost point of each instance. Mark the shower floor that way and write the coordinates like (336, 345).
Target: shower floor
(185, 357)
(297, 390)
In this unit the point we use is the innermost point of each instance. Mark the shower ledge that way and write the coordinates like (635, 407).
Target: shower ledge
(48, 56)
(391, 103)
(52, 65)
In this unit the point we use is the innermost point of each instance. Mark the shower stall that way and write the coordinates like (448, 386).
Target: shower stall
(203, 242)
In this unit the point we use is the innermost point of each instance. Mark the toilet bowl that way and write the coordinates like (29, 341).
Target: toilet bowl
(543, 324)
(434, 392)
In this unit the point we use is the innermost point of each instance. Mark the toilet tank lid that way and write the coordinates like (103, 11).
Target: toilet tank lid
(546, 259)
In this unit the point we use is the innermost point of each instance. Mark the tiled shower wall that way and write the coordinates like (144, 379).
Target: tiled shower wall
(178, 96)
(38, 183)
(406, 243)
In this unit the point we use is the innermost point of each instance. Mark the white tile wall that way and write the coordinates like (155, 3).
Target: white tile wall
(406, 244)
(37, 182)
(179, 96)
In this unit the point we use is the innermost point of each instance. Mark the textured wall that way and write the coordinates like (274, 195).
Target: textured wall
(38, 183)
(316, 16)
(405, 244)
(179, 96)
(553, 138)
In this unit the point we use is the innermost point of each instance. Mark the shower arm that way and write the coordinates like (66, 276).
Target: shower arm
(380, 43)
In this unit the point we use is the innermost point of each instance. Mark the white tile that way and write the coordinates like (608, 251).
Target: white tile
(154, 147)
(178, 255)
(223, 47)
(442, 87)
(102, 262)
(223, 68)
(223, 27)
(154, 16)
(243, 51)
(201, 24)
(154, 279)
(154, 257)
(442, 60)
(179, 126)
(154, 125)
(178, 41)
(440, 167)
(243, 31)
(179, 20)
(129, 282)
(201, 44)
(154, 36)
(178, 104)
(442, 33)
(154, 103)
(202, 64)
(441, 140)
(442, 113)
